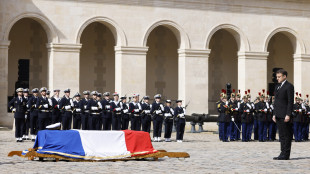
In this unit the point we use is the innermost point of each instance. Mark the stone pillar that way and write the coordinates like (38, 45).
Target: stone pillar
(64, 67)
(252, 72)
(5, 118)
(193, 79)
(130, 70)
(301, 73)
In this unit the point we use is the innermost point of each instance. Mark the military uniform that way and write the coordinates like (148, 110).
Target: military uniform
(255, 114)
(262, 120)
(94, 107)
(31, 104)
(56, 115)
(43, 105)
(307, 116)
(135, 109)
(246, 120)
(106, 112)
(298, 121)
(85, 111)
(116, 110)
(18, 107)
(179, 114)
(234, 113)
(146, 118)
(224, 120)
(66, 105)
(169, 116)
(125, 113)
(77, 113)
(158, 118)
(27, 117)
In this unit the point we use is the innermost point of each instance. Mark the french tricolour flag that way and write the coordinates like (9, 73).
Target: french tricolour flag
(94, 145)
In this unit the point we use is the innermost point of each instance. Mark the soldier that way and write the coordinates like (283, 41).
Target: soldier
(274, 131)
(224, 118)
(135, 109)
(252, 115)
(238, 121)
(246, 118)
(234, 113)
(262, 118)
(169, 116)
(157, 112)
(218, 104)
(125, 113)
(66, 105)
(31, 104)
(94, 107)
(116, 110)
(106, 112)
(256, 102)
(50, 110)
(179, 114)
(56, 115)
(146, 118)
(77, 112)
(298, 119)
(85, 111)
(27, 116)
(307, 114)
(43, 105)
(18, 107)
(270, 123)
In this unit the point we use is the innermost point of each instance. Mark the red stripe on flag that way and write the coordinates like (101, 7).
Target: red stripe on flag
(138, 142)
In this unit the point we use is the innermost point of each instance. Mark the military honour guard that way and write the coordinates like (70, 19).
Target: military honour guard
(27, 116)
(146, 117)
(158, 118)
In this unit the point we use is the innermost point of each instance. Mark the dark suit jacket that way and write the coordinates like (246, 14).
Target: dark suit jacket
(284, 100)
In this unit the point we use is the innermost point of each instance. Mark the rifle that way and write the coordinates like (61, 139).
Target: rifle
(187, 104)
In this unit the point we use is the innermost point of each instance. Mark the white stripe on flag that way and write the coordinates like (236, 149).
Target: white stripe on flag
(104, 143)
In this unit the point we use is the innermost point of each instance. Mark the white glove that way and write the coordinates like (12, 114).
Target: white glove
(25, 116)
(249, 105)
(265, 110)
(247, 110)
(226, 102)
(158, 112)
(67, 107)
(107, 106)
(272, 107)
(78, 110)
(236, 109)
(13, 110)
(167, 115)
(232, 119)
(45, 105)
(57, 106)
(117, 109)
(94, 108)
(85, 106)
(181, 115)
(147, 111)
(125, 111)
(136, 110)
(253, 106)
(27, 106)
(172, 111)
(299, 110)
(162, 107)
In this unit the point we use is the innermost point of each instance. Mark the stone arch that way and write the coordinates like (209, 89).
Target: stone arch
(298, 44)
(118, 33)
(45, 23)
(179, 32)
(241, 39)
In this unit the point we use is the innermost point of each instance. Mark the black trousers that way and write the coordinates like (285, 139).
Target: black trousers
(106, 123)
(56, 117)
(157, 127)
(43, 122)
(125, 122)
(180, 130)
(146, 124)
(136, 123)
(19, 126)
(33, 124)
(77, 121)
(84, 120)
(66, 120)
(116, 122)
(95, 122)
(26, 125)
(285, 136)
(168, 128)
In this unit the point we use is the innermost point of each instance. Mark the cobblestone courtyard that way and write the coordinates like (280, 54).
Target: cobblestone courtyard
(208, 155)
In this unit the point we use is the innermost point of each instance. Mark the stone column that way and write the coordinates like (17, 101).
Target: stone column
(5, 118)
(193, 79)
(64, 67)
(301, 73)
(130, 70)
(252, 72)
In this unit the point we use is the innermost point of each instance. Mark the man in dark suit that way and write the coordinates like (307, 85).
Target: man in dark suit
(283, 107)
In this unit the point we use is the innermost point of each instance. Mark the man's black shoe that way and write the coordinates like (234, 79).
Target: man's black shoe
(280, 158)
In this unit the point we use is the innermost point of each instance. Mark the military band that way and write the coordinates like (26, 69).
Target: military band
(256, 117)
